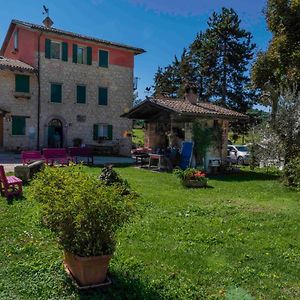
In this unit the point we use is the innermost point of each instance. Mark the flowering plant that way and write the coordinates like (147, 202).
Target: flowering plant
(191, 174)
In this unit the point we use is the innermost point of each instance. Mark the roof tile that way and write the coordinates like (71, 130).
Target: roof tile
(15, 64)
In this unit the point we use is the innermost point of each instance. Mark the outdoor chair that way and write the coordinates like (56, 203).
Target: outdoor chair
(186, 155)
(10, 185)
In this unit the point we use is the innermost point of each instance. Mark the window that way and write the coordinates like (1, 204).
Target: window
(81, 93)
(82, 55)
(56, 92)
(18, 125)
(103, 59)
(102, 96)
(16, 40)
(55, 50)
(22, 83)
(103, 131)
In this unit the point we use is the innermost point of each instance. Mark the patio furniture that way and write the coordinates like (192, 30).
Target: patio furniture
(156, 157)
(76, 152)
(31, 156)
(10, 185)
(56, 154)
(186, 155)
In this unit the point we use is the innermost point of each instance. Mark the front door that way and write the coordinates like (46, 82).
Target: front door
(55, 134)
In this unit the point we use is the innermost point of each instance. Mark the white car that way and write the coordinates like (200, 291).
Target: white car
(238, 154)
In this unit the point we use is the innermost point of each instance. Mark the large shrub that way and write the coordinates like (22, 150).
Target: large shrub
(291, 173)
(83, 212)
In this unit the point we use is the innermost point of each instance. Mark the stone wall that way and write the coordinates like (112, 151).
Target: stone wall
(118, 80)
(18, 107)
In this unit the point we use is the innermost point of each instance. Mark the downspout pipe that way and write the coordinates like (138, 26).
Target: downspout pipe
(39, 91)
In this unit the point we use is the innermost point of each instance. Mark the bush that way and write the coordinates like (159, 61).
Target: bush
(191, 174)
(291, 173)
(83, 212)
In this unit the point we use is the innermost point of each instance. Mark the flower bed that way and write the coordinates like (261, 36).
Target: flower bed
(192, 177)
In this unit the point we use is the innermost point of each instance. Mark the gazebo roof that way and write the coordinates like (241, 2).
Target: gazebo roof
(148, 108)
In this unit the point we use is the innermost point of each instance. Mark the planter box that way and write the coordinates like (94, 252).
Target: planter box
(87, 270)
(194, 183)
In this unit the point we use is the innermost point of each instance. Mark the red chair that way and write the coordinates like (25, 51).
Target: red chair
(10, 185)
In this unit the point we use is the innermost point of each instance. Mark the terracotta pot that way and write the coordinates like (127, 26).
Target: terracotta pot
(87, 270)
(194, 183)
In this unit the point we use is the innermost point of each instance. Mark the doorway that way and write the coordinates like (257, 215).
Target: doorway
(55, 134)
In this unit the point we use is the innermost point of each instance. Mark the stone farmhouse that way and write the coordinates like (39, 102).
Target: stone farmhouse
(59, 88)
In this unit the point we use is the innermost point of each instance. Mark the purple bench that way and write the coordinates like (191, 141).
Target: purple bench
(52, 155)
(75, 152)
(10, 185)
(31, 156)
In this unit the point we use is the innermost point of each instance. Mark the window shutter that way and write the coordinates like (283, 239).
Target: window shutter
(75, 53)
(95, 132)
(22, 83)
(89, 55)
(47, 48)
(18, 125)
(56, 94)
(81, 94)
(103, 59)
(64, 55)
(110, 132)
(102, 96)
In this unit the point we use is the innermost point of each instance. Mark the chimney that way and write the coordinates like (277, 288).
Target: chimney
(48, 22)
(190, 94)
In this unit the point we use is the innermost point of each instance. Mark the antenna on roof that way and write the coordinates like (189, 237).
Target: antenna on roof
(47, 21)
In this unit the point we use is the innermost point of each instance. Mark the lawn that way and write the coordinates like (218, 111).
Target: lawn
(239, 239)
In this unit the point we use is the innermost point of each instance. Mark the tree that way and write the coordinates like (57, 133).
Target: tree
(278, 68)
(217, 62)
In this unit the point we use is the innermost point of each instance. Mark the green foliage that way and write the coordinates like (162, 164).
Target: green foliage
(186, 244)
(291, 173)
(202, 138)
(83, 212)
(191, 174)
(279, 66)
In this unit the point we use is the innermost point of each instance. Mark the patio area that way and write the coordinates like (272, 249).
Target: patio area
(9, 160)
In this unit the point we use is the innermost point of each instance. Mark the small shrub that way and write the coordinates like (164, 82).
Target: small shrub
(291, 173)
(83, 212)
(191, 174)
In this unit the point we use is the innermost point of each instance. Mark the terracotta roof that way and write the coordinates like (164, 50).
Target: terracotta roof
(201, 108)
(181, 106)
(15, 64)
(76, 35)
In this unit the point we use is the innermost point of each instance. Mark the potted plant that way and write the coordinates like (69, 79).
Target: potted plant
(192, 177)
(85, 214)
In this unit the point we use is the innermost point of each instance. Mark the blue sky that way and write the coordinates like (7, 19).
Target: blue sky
(162, 27)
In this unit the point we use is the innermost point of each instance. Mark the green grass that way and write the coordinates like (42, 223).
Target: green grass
(239, 239)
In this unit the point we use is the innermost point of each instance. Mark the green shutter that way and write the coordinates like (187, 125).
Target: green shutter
(89, 55)
(18, 125)
(103, 59)
(56, 94)
(81, 94)
(47, 48)
(75, 47)
(95, 132)
(110, 132)
(64, 55)
(102, 96)
(22, 83)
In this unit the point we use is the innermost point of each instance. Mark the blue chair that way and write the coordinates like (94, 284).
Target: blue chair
(186, 155)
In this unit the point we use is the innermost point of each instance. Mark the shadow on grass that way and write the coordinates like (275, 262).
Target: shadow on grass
(122, 287)
(245, 176)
